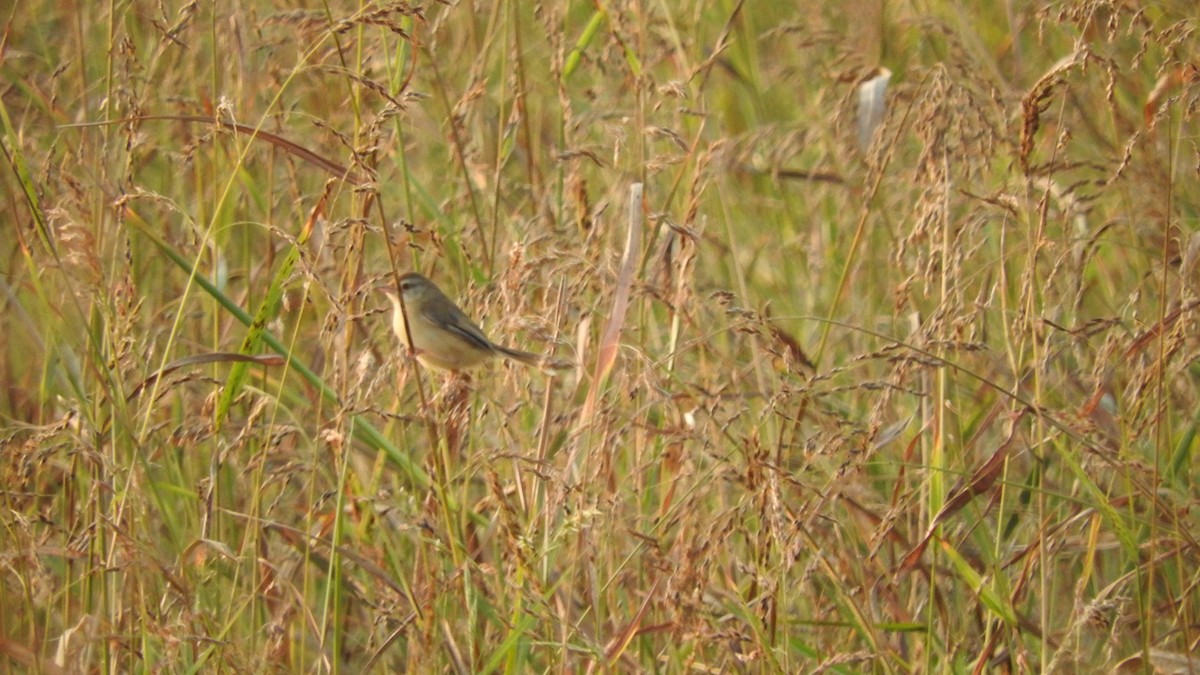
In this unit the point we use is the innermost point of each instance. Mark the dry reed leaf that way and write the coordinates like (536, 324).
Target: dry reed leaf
(330, 166)
(1157, 329)
(621, 640)
(981, 480)
(199, 359)
(610, 341)
(29, 658)
(1167, 83)
(872, 106)
(1160, 661)
(75, 645)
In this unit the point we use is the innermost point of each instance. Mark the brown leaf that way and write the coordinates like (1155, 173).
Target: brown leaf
(1169, 82)
(199, 359)
(1157, 329)
(981, 480)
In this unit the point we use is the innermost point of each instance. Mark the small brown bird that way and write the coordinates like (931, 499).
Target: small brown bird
(442, 335)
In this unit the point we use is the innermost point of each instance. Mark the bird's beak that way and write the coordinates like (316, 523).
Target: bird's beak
(386, 284)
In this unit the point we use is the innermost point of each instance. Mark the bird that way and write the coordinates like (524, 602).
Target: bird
(443, 336)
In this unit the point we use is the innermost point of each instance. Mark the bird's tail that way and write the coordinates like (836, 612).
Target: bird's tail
(535, 360)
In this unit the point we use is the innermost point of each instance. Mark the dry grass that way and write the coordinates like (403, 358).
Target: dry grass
(929, 406)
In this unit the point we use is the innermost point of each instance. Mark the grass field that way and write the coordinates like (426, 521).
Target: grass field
(910, 396)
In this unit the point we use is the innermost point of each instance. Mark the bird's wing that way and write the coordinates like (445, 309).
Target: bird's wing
(462, 325)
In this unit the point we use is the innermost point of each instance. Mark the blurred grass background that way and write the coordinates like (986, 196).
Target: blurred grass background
(925, 403)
